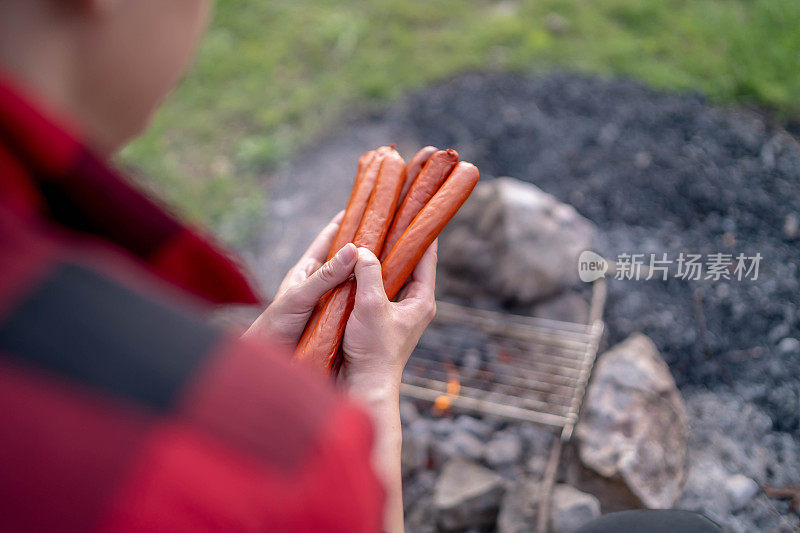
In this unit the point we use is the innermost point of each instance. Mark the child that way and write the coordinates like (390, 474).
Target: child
(122, 409)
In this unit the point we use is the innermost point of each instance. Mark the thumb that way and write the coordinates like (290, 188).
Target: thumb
(369, 281)
(329, 275)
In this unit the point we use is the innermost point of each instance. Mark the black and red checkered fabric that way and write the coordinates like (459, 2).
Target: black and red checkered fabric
(122, 410)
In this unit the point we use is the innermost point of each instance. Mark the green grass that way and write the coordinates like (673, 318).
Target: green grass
(272, 74)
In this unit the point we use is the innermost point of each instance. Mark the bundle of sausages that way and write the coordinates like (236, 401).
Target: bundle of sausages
(395, 210)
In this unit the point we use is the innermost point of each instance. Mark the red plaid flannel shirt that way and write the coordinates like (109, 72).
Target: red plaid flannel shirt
(120, 408)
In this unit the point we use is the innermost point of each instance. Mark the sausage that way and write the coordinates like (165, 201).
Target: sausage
(433, 174)
(414, 167)
(368, 166)
(312, 322)
(320, 342)
(426, 226)
(353, 204)
(382, 204)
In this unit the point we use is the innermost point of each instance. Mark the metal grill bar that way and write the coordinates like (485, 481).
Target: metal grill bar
(506, 411)
(529, 365)
(526, 369)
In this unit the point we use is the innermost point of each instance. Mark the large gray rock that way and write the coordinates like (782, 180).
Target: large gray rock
(513, 242)
(632, 432)
(520, 506)
(571, 509)
(467, 495)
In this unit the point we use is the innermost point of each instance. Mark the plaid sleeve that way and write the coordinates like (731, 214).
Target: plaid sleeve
(124, 411)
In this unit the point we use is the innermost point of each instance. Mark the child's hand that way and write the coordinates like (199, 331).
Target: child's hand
(285, 318)
(380, 334)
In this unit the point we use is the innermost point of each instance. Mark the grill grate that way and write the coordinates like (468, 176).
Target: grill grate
(528, 369)
(514, 367)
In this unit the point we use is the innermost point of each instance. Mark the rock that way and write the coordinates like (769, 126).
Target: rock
(418, 488)
(512, 242)
(467, 495)
(504, 449)
(728, 437)
(518, 510)
(536, 465)
(789, 345)
(704, 491)
(415, 451)
(572, 508)
(477, 427)
(632, 431)
(567, 307)
(421, 518)
(421, 425)
(408, 412)
(467, 444)
(537, 439)
(779, 331)
(459, 443)
(791, 226)
(442, 427)
(642, 159)
(740, 490)
(441, 452)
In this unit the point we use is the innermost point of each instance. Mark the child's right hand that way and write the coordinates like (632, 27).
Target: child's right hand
(380, 334)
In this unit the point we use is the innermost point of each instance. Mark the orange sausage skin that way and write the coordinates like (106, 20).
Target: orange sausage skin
(368, 167)
(320, 343)
(426, 226)
(433, 174)
(366, 175)
(414, 167)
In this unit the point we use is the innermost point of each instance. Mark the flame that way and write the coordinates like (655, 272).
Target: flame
(443, 402)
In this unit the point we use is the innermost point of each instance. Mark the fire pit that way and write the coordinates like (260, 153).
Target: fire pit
(517, 368)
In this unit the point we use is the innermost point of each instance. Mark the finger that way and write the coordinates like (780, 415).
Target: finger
(318, 251)
(422, 283)
(298, 273)
(369, 281)
(303, 271)
(305, 295)
(337, 218)
(313, 257)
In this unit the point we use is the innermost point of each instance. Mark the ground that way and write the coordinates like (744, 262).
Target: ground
(260, 144)
(274, 75)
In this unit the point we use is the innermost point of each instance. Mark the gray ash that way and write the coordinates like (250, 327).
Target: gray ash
(657, 172)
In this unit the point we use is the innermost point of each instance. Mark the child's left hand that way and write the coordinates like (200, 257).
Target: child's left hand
(285, 318)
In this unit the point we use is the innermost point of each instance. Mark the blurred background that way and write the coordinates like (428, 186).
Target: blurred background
(273, 75)
(626, 127)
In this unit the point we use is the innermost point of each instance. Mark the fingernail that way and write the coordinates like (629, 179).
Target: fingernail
(365, 253)
(346, 255)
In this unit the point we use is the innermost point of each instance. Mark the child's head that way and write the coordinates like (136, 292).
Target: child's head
(107, 63)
